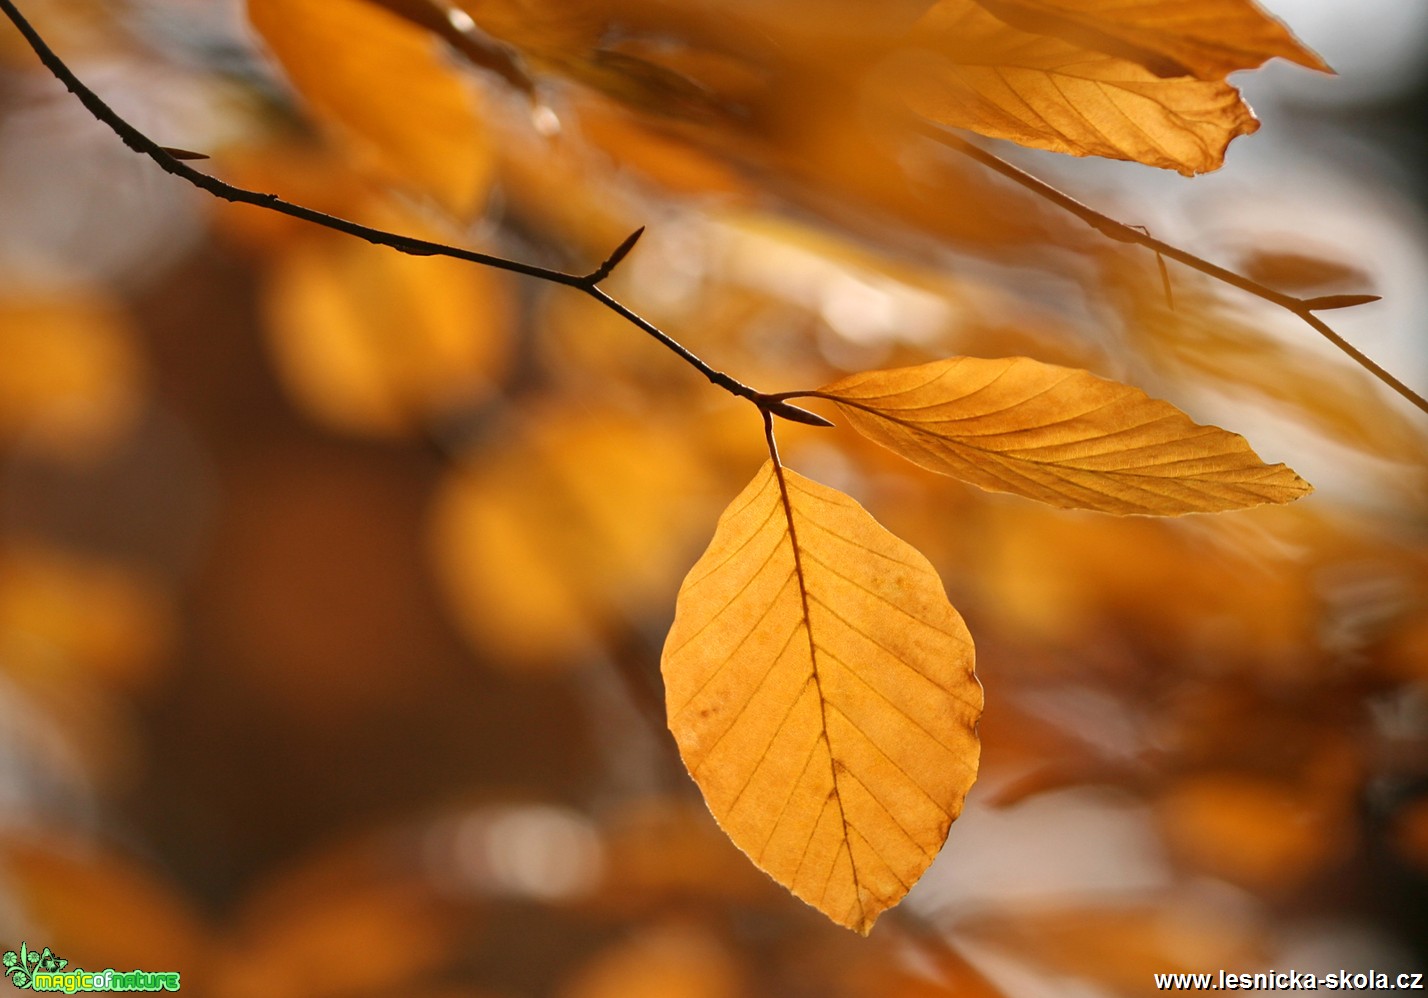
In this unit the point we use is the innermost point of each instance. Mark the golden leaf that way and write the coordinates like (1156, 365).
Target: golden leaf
(386, 86)
(820, 688)
(1208, 39)
(1059, 435)
(976, 72)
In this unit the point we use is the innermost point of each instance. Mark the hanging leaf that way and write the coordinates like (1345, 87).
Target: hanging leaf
(820, 688)
(1059, 435)
(979, 73)
(1207, 39)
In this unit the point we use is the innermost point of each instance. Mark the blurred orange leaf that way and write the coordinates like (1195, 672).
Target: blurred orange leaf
(61, 614)
(674, 959)
(661, 851)
(384, 83)
(381, 343)
(1237, 353)
(924, 965)
(1123, 945)
(1253, 831)
(821, 691)
(528, 538)
(1208, 39)
(1059, 435)
(359, 940)
(72, 375)
(1409, 834)
(100, 910)
(1298, 270)
(981, 74)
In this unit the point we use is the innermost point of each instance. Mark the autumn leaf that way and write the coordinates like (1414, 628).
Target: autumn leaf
(1253, 831)
(821, 691)
(380, 343)
(1063, 436)
(384, 84)
(72, 379)
(527, 538)
(73, 889)
(65, 615)
(665, 959)
(1207, 39)
(976, 72)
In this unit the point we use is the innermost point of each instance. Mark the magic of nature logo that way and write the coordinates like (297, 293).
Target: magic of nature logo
(45, 970)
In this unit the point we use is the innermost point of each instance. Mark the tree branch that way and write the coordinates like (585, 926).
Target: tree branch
(1120, 232)
(172, 161)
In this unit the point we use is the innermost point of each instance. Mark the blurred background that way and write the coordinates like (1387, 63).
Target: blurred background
(333, 582)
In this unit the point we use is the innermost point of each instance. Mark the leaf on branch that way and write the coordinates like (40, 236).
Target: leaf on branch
(1059, 435)
(820, 688)
(384, 83)
(976, 72)
(1207, 39)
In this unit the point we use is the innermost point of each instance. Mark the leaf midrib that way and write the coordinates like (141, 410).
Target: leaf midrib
(818, 685)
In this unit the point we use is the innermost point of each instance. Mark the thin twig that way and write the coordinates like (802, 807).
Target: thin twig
(1120, 232)
(172, 161)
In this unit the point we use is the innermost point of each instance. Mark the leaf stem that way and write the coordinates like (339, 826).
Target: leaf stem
(172, 161)
(1120, 232)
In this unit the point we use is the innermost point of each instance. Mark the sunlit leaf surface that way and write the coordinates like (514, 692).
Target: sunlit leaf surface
(1208, 39)
(979, 73)
(1059, 435)
(386, 86)
(821, 691)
